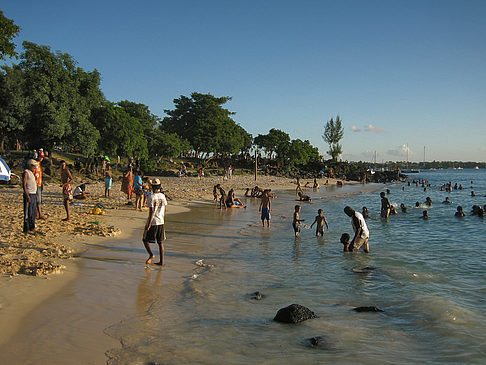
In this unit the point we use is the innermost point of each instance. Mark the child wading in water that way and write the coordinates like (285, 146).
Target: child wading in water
(265, 207)
(320, 220)
(345, 241)
(296, 221)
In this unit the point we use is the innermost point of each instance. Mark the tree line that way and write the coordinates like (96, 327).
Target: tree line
(48, 100)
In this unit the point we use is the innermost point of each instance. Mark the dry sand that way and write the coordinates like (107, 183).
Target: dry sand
(34, 267)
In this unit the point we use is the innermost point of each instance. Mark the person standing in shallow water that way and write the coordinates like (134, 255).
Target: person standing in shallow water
(154, 227)
(361, 232)
(385, 206)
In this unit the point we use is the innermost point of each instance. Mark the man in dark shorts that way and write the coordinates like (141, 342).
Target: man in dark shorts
(154, 228)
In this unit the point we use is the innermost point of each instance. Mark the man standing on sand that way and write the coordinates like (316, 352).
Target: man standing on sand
(66, 180)
(30, 196)
(361, 232)
(265, 207)
(154, 228)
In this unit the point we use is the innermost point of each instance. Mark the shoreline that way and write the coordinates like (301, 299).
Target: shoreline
(21, 295)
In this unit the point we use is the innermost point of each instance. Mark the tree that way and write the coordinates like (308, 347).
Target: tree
(276, 141)
(60, 97)
(121, 134)
(302, 152)
(333, 133)
(166, 144)
(13, 106)
(8, 31)
(142, 113)
(207, 126)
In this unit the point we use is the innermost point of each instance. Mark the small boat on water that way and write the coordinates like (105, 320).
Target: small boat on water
(477, 167)
(410, 171)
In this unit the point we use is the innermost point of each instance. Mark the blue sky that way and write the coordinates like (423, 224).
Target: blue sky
(397, 72)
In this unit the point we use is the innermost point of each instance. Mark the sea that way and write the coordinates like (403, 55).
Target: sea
(426, 276)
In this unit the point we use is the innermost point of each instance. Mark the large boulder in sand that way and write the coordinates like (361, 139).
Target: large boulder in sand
(294, 313)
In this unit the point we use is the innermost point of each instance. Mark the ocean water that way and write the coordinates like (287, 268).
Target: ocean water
(428, 278)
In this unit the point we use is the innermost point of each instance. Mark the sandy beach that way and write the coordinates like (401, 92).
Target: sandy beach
(35, 267)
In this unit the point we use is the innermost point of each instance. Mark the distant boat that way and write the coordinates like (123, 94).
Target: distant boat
(477, 167)
(460, 168)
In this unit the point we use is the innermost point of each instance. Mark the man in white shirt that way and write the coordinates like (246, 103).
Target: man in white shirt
(361, 232)
(154, 228)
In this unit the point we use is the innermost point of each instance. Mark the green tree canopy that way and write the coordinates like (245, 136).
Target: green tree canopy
(166, 144)
(142, 113)
(333, 133)
(302, 152)
(13, 106)
(121, 134)
(56, 99)
(8, 31)
(207, 126)
(276, 141)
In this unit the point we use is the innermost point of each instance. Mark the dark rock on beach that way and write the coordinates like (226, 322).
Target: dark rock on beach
(294, 313)
(367, 309)
(319, 342)
(257, 296)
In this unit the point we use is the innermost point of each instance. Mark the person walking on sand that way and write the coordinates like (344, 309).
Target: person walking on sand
(361, 232)
(66, 180)
(265, 207)
(30, 196)
(154, 228)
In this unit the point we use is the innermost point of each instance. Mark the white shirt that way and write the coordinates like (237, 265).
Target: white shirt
(157, 202)
(365, 233)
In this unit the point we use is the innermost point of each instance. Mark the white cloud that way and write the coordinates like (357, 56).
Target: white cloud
(400, 151)
(355, 129)
(372, 128)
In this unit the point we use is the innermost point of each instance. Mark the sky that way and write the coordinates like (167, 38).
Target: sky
(402, 75)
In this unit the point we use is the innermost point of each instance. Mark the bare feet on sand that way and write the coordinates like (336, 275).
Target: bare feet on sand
(149, 260)
(160, 263)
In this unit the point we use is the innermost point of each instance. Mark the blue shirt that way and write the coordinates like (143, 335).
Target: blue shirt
(138, 182)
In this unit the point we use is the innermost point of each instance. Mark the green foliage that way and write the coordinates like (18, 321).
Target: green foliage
(166, 144)
(121, 134)
(302, 152)
(51, 99)
(276, 141)
(8, 31)
(333, 133)
(142, 113)
(13, 106)
(207, 126)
